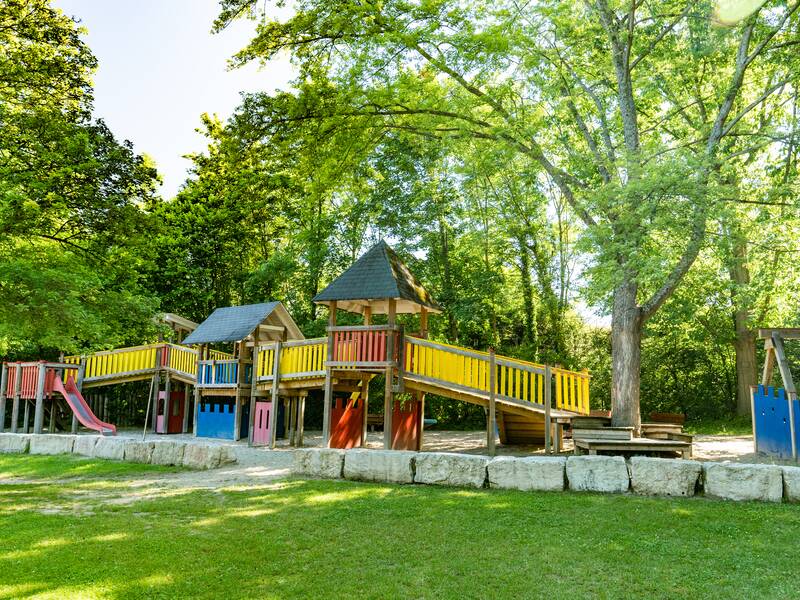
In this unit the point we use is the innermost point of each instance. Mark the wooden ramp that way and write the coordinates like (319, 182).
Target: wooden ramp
(518, 421)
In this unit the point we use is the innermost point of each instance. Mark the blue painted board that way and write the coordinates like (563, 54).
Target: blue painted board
(773, 432)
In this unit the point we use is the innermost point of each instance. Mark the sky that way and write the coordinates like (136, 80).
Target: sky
(160, 68)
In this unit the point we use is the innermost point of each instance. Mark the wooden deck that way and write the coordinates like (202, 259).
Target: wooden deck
(634, 446)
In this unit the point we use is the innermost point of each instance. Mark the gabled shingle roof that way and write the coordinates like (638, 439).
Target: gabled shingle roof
(231, 323)
(378, 275)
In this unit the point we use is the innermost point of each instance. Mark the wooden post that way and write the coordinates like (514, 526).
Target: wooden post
(185, 423)
(26, 417)
(156, 386)
(167, 401)
(423, 322)
(3, 385)
(548, 398)
(237, 398)
(769, 363)
(79, 384)
(753, 416)
(301, 421)
(253, 389)
(15, 402)
(492, 420)
(38, 415)
(365, 385)
(388, 401)
(328, 395)
(198, 379)
(273, 409)
(292, 420)
(788, 384)
(365, 405)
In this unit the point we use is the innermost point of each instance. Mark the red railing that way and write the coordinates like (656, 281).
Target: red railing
(364, 346)
(29, 379)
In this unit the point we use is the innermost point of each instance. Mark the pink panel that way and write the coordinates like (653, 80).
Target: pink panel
(261, 424)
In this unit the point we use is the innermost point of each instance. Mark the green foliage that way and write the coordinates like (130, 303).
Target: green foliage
(71, 222)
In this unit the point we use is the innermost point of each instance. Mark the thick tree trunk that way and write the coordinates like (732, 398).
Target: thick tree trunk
(746, 367)
(744, 343)
(626, 357)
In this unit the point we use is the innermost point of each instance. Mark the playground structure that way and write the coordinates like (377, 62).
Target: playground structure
(259, 390)
(775, 411)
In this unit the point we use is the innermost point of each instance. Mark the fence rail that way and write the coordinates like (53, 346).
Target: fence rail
(469, 370)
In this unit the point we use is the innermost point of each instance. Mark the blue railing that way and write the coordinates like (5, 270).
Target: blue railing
(223, 373)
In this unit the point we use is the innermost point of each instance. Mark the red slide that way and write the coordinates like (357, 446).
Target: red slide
(78, 405)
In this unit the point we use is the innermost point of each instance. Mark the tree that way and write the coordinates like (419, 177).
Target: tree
(592, 94)
(70, 196)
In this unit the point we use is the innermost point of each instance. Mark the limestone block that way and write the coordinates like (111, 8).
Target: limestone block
(326, 463)
(441, 468)
(596, 473)
(14, 443)
(110, 448)
(138, 452)
(390, 466)
(544, 473)
(52, 443)
(732, 481)
(84, 445)
(664, 476)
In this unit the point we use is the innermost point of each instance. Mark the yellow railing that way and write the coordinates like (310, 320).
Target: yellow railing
(182, 359)
(219, 355)
(572, 390)
(517, 379)
(440, 362)
(298, 359)
(124, 360)
(303, 360)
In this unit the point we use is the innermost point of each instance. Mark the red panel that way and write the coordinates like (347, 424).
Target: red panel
(347, 422)
(175, 421)
(406, 419)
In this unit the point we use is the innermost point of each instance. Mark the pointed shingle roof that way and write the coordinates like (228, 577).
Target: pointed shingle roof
(379, 275)
(235, 323)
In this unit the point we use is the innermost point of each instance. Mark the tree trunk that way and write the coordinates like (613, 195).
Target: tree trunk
(527, 291)
(626, 362)
(744, 344)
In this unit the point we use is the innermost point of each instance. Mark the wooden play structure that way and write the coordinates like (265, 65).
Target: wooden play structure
(258, 390)
(775, 410)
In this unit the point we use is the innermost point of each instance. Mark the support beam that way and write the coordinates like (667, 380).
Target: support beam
(167, 401)
(38, 415)
(301, 421)
(200, 356)
(365, 404)
(3, 386)
(788, 384)
(328, 394)
(15, 402)
(388, 401)
(548, 399)
(185, 423)
(79, 384)
(273, 409)
(491, 423)
(253, 389)
(769, 363)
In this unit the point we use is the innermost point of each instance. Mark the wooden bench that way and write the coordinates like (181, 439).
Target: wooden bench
(634, 446)
(374, 421)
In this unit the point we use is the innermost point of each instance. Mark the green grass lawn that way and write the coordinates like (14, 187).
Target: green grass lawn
(732, 426)
(326, 539)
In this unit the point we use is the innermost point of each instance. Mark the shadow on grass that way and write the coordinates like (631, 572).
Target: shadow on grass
(323, 539)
